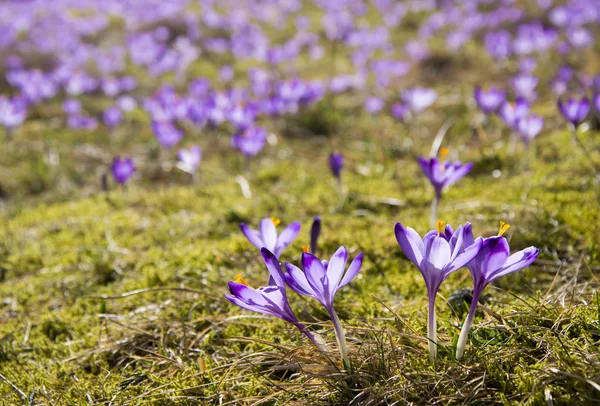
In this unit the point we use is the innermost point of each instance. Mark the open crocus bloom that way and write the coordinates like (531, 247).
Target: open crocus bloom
(489, 101)
(574, 111)
(437, 255)
(492, 261)
(322, 280)
(267, 236)
(270, 299)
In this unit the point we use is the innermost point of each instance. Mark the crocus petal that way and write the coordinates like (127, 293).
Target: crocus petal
(296, 279)
(273, 266)
(352, 270)
(437, 253)
(336, 268)
(517, 261)
(497, 252)
(316, 277)
(410, 242)
(252, 235)
(247, 294)
(466, 256)
(456, 243)
(287, 236)
(268, 233)
(468, 239)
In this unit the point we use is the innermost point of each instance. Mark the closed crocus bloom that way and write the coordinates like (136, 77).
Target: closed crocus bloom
(267, 237)
(492, 261)
(529, 127)
(437, 255)
(574, 111)
(321, 280)
(315, 231)
(167, 134)
(122, 169)
(336, 163)
(489, 100)
(271, 299)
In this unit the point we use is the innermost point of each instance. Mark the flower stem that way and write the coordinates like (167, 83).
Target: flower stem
(340, 336)
(431, 330)
(434, 209)
(321, 346)
(464, 332)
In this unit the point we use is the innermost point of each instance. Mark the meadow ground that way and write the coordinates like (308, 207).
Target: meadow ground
(112, 298)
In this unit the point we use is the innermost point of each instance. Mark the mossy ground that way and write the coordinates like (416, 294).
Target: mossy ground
(117, 298)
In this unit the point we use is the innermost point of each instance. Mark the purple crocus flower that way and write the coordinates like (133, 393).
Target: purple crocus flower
(437, 255)
(250, 141)
(510, 113)
(270, 299)
(374, 105)
(419, 98)
(400, 111)
(574, 111)
(492, 261)
(336, 162)
(267, 236)
(315, 231)
(80, 122)
(529, 127)
(189, 159)
(524, 85)
(442, 175)
(72, 106)
(13, 112)
(167, 134)
(112, 117)
(122, 169)
(489, 101)
(597, 102)
(322, 280)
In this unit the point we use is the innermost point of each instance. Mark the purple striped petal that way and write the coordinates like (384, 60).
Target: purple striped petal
(268, 233)
(336, 268)
(252, 235)
(287, 236)
(411, 244)
(352, 270)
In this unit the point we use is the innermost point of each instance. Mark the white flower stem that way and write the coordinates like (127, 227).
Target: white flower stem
(434, 210)
(340, 336)
(464, 332)
(431, 330)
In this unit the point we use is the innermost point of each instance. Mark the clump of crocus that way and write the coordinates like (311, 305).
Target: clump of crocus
(492, 261)
(267, 236)
(271, 299)
(167, 133)
(437, 255)
(189, 159)
(321, 280)
(441, 175)
(122, 169)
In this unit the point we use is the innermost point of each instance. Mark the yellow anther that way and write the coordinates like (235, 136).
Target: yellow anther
(444, 152)
(240, 279)
(305, 248)
(275, 221)
(503, 228)
(440, 227)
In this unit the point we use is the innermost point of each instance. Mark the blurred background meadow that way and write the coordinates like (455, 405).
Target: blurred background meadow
(136, 136)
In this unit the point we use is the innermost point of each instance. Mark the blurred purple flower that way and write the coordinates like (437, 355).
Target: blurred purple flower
(189, 159)
(166, 133)
(122, 169)
(419, 98)
(336, 162)
(574, 111)
(489, 101)
(13, 112)
(529, 127)
(511, 112)
(72, 106)
(250, 141)
(374, 105)
(112, 117)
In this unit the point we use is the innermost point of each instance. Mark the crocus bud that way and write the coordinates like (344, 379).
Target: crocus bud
(315, 231)
(336, 162)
